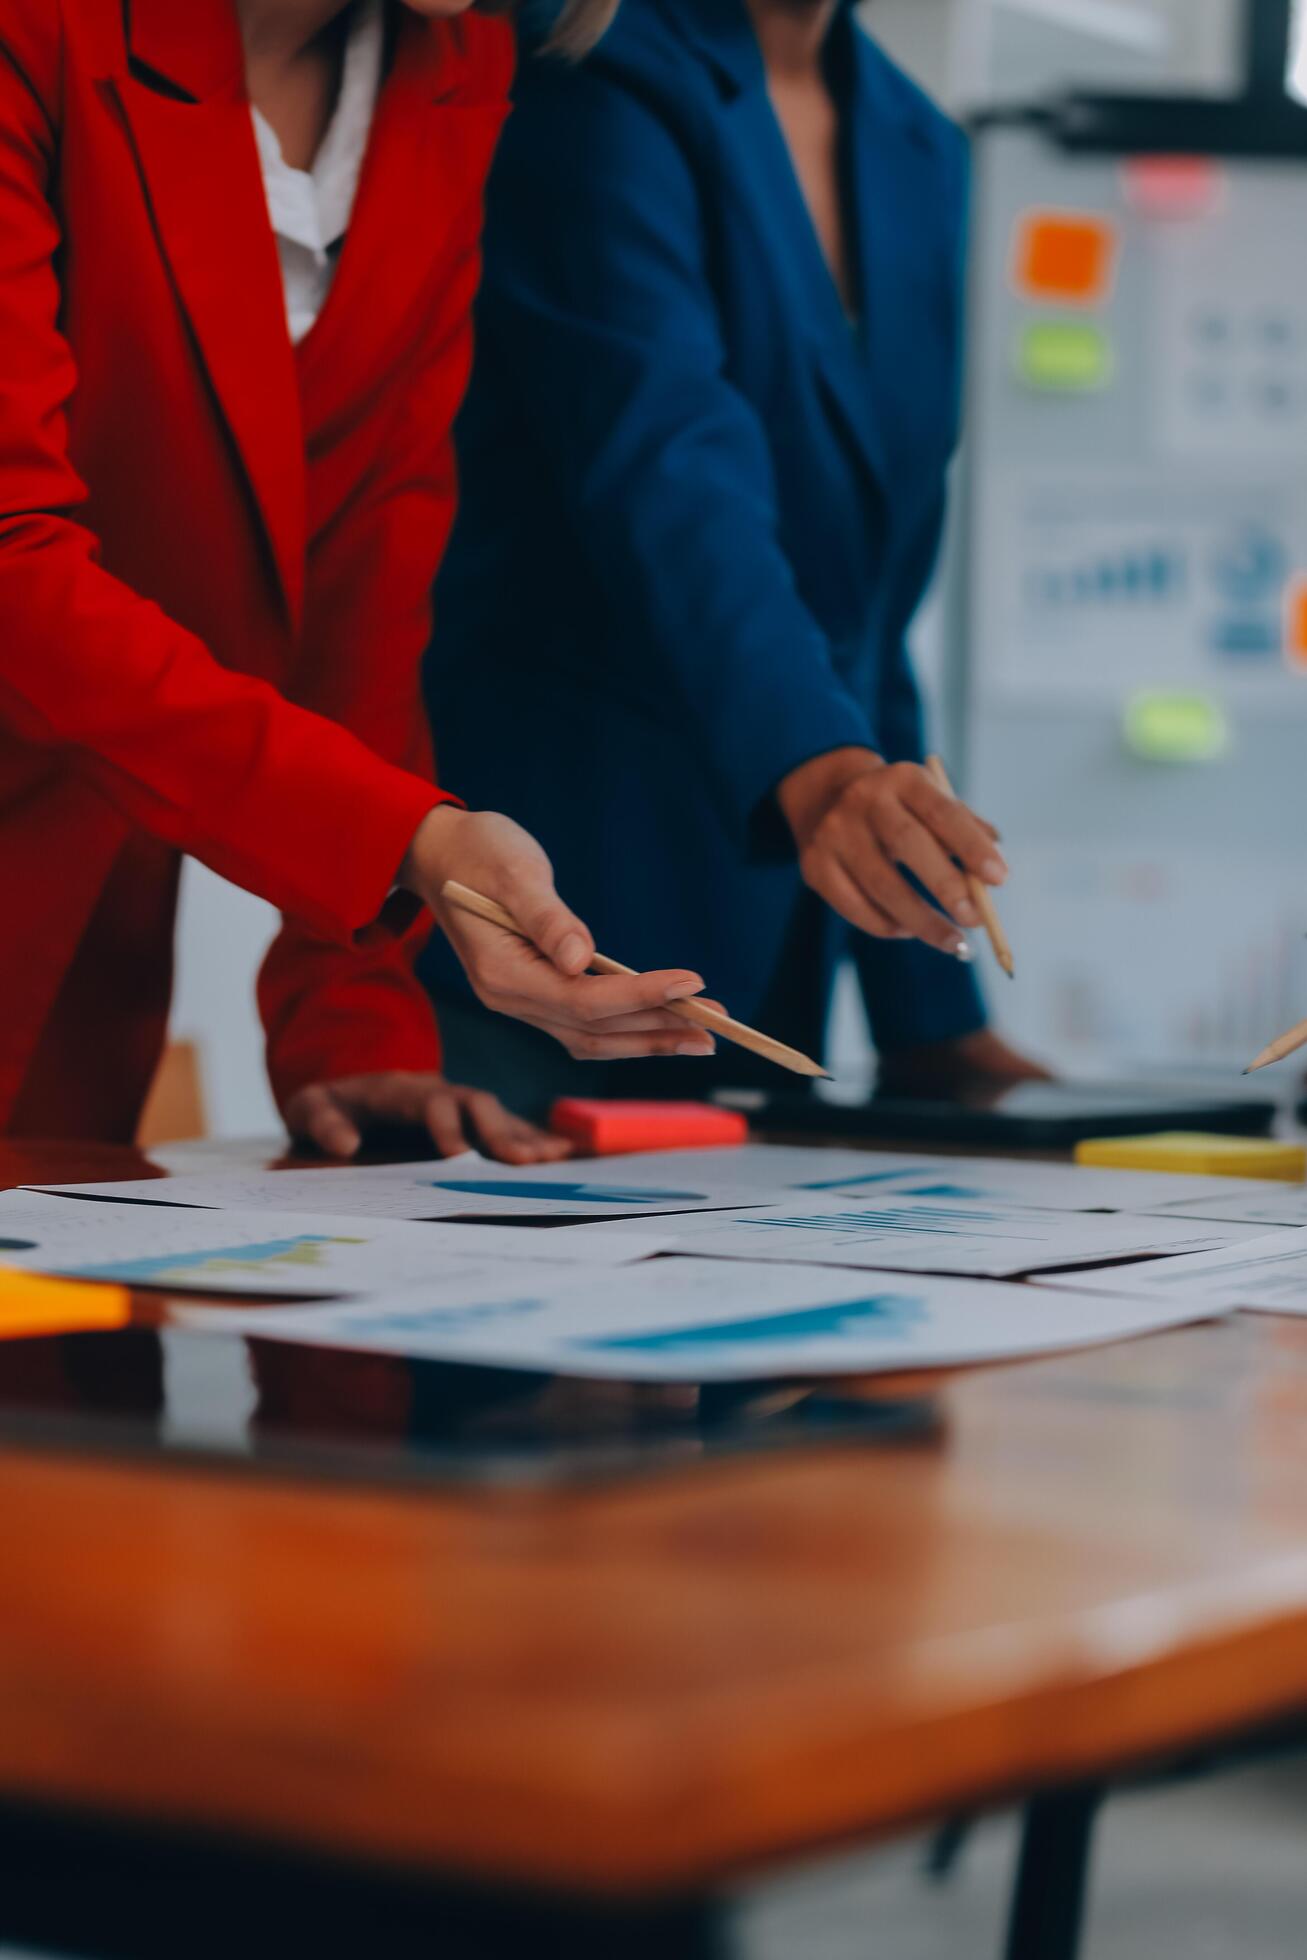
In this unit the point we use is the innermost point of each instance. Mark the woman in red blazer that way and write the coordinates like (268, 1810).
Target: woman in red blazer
(216, 547)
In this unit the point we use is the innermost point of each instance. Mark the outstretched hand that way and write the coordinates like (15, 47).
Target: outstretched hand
(859, 823)
(541, 978)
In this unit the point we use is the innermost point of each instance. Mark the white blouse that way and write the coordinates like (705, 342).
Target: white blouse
(310, 209)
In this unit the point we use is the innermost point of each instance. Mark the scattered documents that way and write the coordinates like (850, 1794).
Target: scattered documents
(702, 1320)
(1269, 1275)
(922, 1235)
(789, 1261)
(263, 1252)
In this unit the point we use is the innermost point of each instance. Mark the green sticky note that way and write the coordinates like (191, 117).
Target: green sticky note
(1064, 356)
(1165, 727)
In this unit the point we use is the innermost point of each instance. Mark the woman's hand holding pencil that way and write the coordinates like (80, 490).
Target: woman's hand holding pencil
(707, 1014)
(860, 823)
(541, 977)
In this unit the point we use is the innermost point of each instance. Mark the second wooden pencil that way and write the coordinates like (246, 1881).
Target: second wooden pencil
(978, 889)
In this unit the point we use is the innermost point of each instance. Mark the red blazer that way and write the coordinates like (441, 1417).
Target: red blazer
(215, 549)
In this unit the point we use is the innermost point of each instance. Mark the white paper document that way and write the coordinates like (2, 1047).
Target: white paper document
(1252, 1202)
(1048, 1187)
(1268, 1274)
(761, 1168)
(922, 1235)
(703, 1320)
(641, 1184)
(261, 1252)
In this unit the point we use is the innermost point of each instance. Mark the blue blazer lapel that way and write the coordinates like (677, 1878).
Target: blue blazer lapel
(898, 181)
(786, 229)
(767, 180)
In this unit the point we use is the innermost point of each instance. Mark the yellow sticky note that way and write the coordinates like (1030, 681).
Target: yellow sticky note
(1202, 1155)
(31, 1304)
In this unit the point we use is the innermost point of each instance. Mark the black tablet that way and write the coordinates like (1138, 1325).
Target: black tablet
(1028, 1116)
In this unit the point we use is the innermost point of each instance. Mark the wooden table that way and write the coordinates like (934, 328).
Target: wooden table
(643, 1694)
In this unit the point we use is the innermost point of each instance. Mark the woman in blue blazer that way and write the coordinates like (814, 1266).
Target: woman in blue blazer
(702, 463)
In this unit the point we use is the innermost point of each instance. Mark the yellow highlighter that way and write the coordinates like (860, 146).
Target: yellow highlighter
(1201, 1155)
(30, 1304)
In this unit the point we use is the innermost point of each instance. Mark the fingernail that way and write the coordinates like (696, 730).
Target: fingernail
(993, 870)
(705, 1047)
(965, 913)
(572, 953)
(684, 990)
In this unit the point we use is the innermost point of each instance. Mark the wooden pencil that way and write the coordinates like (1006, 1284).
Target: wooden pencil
(1287, 1044)
(981, 897)
(710, 1018)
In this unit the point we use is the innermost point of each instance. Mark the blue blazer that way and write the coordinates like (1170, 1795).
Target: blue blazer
(699, 506)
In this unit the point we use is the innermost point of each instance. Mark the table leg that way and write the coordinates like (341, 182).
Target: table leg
(946, 1847)
(1048, 1903)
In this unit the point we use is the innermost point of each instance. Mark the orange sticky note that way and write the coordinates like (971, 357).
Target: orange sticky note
(1066, 256)
(605, 1129)
(32, 1304)
(1295, 621)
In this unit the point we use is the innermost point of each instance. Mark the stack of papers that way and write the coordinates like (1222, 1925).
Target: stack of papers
(685, 1265)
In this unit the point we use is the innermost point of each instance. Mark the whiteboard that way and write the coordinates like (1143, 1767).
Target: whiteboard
(1146, 527)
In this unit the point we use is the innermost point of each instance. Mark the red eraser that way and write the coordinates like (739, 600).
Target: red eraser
(604, 1129)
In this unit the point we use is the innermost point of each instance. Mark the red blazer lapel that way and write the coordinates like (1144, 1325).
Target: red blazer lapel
(435, 127)
(184, 100)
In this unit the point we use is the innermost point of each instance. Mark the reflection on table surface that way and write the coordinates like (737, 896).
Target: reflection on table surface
(250, 1400)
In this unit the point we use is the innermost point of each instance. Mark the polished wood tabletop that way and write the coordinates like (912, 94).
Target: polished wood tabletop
(666, 1683)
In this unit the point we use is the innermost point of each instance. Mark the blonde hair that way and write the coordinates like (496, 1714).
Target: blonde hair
(579, 25)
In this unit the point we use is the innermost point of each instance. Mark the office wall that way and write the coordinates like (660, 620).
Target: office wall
(969, 53)
(221, 937)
